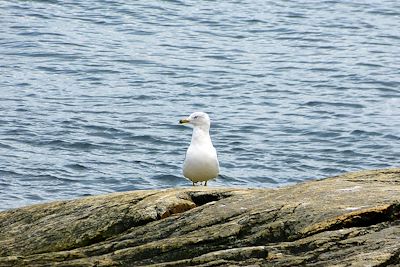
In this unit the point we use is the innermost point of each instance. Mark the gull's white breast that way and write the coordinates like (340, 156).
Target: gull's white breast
(201, 163)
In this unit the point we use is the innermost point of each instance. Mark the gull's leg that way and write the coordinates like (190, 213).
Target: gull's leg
(193, 184)
(205, 183)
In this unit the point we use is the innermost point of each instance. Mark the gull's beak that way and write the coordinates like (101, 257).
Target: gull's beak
(183, 121)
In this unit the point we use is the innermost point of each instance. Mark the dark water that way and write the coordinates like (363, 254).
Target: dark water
(91, 92)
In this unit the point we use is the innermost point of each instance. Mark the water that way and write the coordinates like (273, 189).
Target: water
(92, 91)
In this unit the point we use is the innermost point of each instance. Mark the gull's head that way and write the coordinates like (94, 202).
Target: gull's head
(197, 119)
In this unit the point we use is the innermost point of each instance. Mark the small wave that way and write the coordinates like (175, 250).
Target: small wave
(365, 133)
(168, 178)
(35, 197)
(392, 137)
(328, 134)
(324, 69)
(335, 104)
(352, 154)
(5, 146)
(329, 171)
(373, 147)
(46, 178)
(10, 173)
(76, 166)
(262, 180)
(364, 64)
(65, 144)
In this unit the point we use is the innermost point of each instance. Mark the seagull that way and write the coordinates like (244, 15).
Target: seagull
(201, 161)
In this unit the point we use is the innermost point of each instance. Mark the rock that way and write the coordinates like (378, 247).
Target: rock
(348, 220)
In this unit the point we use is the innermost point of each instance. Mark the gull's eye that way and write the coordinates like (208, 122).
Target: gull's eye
(195, 117)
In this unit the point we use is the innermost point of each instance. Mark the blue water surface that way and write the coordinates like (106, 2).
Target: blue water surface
(91, 92)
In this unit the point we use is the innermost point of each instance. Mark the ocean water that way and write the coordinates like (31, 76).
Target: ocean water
(91, 92)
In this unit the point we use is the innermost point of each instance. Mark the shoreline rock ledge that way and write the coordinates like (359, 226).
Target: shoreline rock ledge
(347, 220)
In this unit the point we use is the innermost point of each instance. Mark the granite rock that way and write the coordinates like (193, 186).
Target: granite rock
(348, 220)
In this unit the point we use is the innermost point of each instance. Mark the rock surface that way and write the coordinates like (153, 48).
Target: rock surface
(348, 220)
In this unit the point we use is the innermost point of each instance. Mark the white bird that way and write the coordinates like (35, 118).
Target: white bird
(201, 161)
